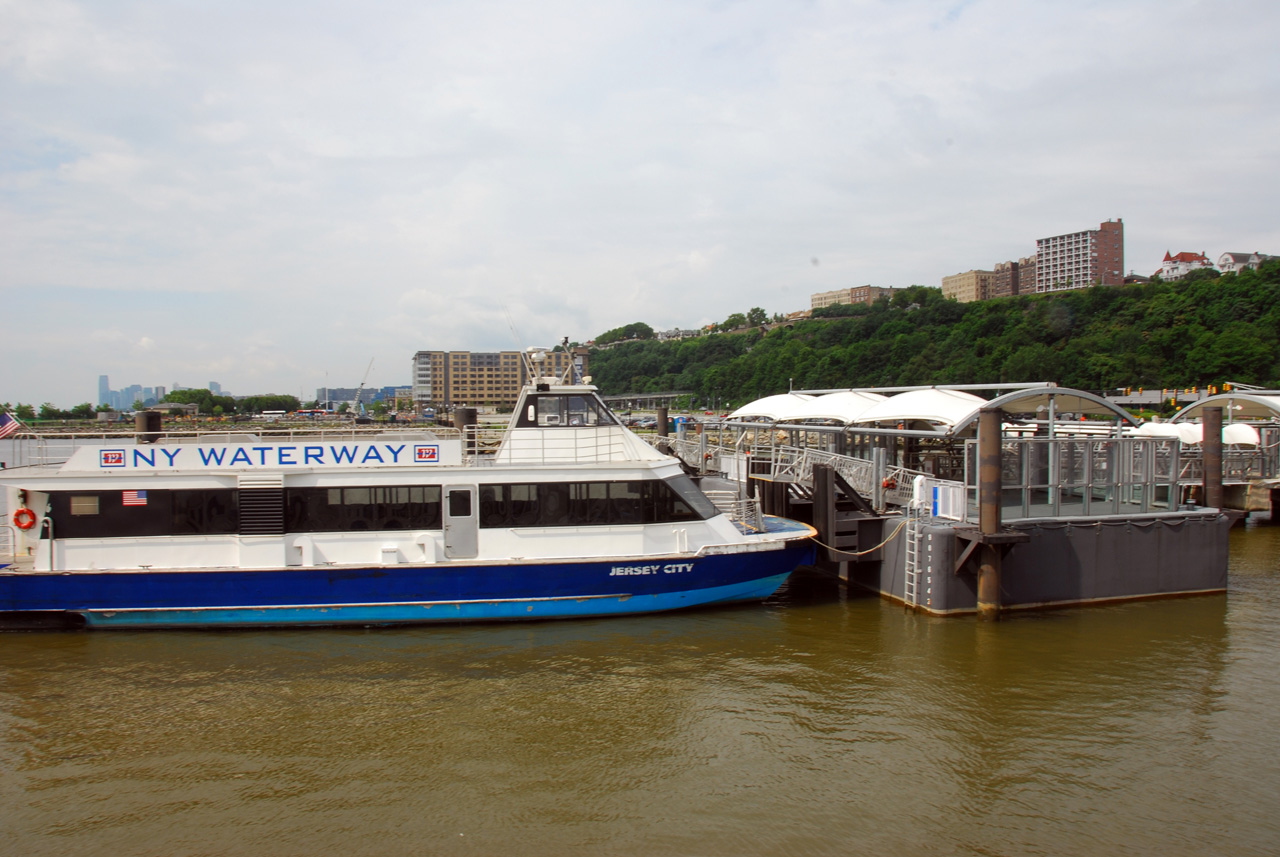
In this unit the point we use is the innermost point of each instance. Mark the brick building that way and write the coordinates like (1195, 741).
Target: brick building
(1078, 260)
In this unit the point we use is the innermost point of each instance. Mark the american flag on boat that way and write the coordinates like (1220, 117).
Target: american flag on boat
(8, 425)
(135, 498)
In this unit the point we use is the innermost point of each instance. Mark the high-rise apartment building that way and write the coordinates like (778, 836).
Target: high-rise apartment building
(1078, 260)
(453, 378)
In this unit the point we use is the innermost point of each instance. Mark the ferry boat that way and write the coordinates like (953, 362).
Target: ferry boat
(566, 513)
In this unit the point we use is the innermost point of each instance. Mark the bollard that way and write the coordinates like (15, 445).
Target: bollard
(464, 420)
(147, 424)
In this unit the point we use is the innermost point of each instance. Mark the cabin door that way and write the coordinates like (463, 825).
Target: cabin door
(461, 522)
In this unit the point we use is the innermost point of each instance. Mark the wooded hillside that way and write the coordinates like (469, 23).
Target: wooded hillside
(1189, 333)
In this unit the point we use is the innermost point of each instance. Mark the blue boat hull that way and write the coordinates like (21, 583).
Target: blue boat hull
(390, 595)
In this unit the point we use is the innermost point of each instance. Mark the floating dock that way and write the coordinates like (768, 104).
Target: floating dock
(1040, 497)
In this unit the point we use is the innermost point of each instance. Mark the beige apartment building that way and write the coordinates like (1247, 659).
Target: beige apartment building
(446, 379)
(969, 286)
(867, 294)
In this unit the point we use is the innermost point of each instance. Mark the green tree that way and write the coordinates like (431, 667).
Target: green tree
(82, 412)
(635, 330)
(1205, 331)
(25, 412)
(757, 316)
(270, 402)
(50, 411)
(205, 400)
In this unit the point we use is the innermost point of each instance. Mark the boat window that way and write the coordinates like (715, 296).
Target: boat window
(212, 511)
(158, 512)
(572, 410)
(460, 503)
(84, 505)
(360, 509)
(574, 504)
(689, 494)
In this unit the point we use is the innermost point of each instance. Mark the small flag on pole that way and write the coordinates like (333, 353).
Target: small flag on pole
(135, 498)
(8, 425)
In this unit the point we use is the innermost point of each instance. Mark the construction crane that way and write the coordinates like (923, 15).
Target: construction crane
(362, 418)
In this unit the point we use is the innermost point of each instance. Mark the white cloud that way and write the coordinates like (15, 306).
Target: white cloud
(269, 192)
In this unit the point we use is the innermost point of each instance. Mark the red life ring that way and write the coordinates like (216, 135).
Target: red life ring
(24, 519)
(889, 483)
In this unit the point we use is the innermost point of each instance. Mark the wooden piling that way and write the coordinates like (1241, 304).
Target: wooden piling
(1211, 451)
(989, 437)
(824, 503)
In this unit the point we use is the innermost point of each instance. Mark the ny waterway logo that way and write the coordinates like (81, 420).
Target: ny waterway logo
(267, 455)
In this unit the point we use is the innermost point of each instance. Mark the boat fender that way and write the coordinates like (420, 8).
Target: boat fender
(24, 519)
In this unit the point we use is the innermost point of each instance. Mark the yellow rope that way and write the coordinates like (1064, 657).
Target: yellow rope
(892, 535)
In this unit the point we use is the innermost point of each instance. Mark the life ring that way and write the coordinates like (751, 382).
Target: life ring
(889, 483)
(24, 519)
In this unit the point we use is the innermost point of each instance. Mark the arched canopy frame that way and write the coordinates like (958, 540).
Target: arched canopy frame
(1252, 406)
(1050, 399)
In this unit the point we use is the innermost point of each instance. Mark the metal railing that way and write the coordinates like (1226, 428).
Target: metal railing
(1065, 477)
(547, 446)
(743, 511)
(1042, 477)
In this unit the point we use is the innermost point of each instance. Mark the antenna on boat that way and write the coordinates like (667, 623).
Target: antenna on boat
(566, 377)
(534, 357)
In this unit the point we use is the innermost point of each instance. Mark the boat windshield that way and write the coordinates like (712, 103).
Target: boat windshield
(563, 409)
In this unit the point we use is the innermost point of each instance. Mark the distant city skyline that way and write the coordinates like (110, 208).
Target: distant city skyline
(125, 397)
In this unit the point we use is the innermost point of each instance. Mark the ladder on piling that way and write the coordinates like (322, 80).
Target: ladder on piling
(911, 573)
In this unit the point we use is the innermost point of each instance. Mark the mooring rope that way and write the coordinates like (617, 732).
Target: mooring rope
(891, 537)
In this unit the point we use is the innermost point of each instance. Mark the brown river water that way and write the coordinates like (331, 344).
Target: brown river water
(817, 723)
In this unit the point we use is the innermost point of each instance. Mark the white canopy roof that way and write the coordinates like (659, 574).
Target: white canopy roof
(1185, 432)
(843, 407)
(946, 409)
(932, 405)
(1234, 433)
(777, 408)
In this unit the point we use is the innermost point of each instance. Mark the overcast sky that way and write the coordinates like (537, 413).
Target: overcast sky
(270, 195)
